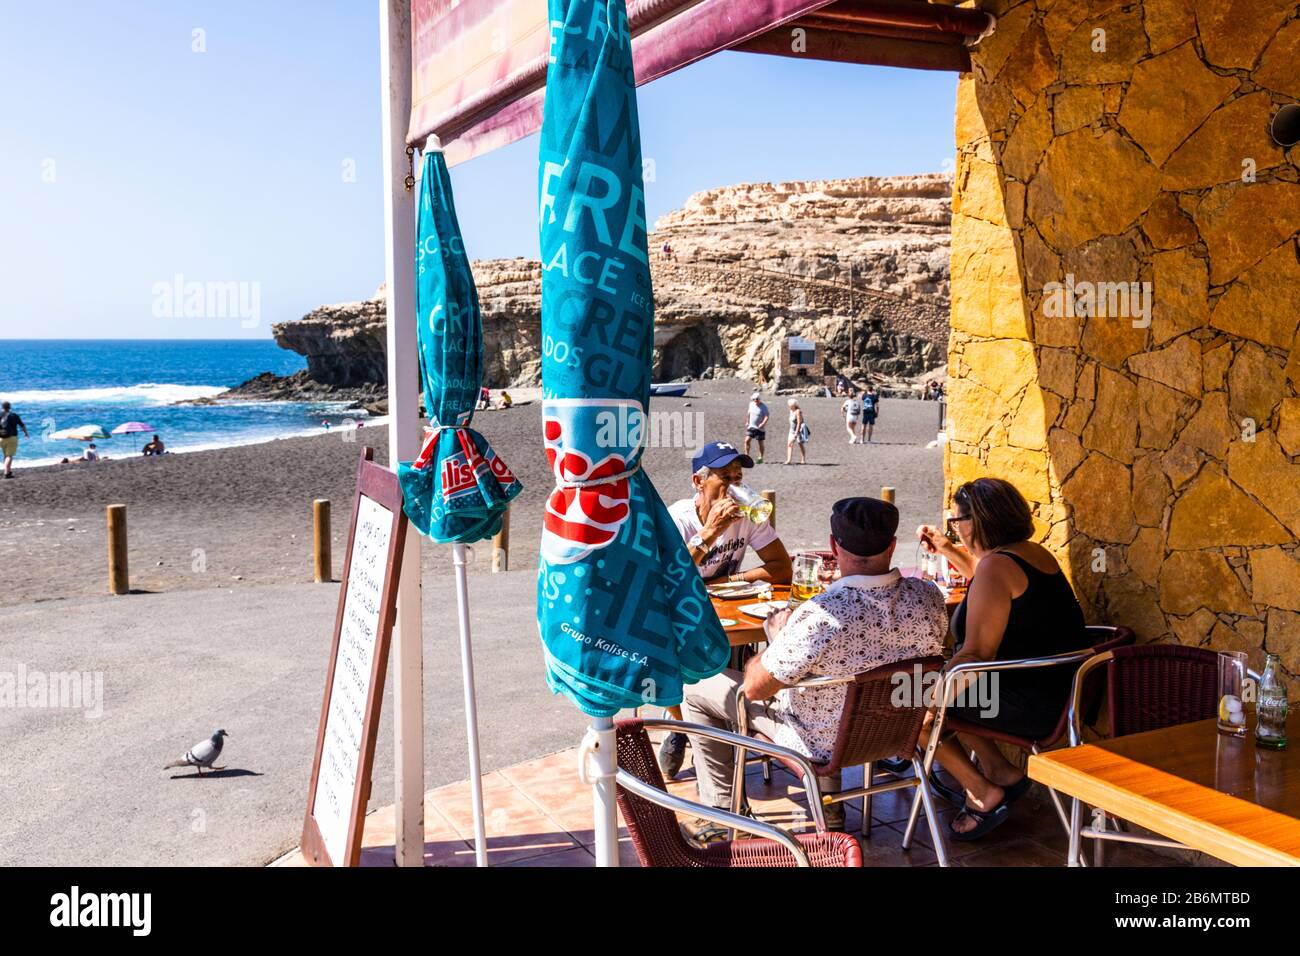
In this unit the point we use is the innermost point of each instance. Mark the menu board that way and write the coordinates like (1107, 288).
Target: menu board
(345, 744)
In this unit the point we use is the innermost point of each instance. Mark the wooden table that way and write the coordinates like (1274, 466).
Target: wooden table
(746, 630)
(1190, 783)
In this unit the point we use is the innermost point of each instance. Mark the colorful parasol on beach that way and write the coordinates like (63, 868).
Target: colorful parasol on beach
(457, 490)
(80, 433)
(622, 612)
(132, 428)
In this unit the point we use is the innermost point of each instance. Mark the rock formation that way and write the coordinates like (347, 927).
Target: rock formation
(830, 259)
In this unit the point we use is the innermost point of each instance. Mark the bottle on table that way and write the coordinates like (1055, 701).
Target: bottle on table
(1271, 707)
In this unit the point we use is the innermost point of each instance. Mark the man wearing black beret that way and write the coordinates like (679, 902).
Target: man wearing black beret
(869, 617)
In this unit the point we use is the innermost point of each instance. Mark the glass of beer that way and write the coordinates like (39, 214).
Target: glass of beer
(806, 581)
(752, 505)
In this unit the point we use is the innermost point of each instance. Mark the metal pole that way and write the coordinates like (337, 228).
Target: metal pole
(403, 423)
(853, 322)
(119, 577)
(324, 563)
(605, 754)
(471, 704)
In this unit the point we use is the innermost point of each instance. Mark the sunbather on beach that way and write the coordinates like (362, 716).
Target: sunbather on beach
(155, 447)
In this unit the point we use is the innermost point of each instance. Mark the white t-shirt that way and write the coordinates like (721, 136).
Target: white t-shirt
(852, 408)
(727, 551)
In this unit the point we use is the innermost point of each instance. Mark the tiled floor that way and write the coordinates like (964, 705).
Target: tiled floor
(538, 814)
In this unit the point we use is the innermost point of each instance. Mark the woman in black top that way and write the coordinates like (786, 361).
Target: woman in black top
(1019, 605)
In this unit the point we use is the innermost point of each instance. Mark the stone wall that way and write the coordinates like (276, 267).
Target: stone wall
(1128, 143)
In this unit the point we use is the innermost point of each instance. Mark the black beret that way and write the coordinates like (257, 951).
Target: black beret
(863, 526)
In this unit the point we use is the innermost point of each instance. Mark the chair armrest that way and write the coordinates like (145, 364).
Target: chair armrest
(1076, 694)
(726, 818)
(951, 675)
(744, 742)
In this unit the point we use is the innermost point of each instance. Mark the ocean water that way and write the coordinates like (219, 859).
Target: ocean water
(58, 384)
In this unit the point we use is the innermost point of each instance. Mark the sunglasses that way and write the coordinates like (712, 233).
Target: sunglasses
(949, 523)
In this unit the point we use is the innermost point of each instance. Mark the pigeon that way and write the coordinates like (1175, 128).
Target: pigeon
(201, 754)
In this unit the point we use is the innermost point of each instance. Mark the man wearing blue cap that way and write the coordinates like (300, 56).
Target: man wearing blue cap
(715, 530)
(718, 536)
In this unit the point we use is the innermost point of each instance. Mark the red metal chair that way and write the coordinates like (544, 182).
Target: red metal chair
(873, 726)
(1149, 687)
(1104, 639)
(649, 812)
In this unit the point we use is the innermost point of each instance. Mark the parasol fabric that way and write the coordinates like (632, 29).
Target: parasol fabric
(457, 489)
(131, 428)
(623, 613)
(80, 433)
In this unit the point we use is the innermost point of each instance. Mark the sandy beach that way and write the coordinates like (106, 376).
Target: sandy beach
(241, 516)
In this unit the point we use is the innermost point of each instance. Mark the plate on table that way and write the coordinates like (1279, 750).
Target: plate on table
(728, 621)
(762, 609)
(730, 591)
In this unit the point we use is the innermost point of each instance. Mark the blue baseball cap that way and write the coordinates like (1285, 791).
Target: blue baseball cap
(718, 454)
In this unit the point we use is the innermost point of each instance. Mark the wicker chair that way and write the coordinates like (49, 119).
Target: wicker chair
(873, 726)
(1104, 639)
(1149, 687)
(648, 809)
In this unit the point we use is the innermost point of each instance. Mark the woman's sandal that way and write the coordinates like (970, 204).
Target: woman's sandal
(988, 820)
(954, 795)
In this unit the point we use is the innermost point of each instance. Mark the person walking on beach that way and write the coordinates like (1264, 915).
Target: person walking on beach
(10, 422)
(870, 409)
(799, 433)
(756, 425)
(852, 409)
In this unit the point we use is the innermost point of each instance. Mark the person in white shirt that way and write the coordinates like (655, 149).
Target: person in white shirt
(719, 537)
(870, 617)
(756, 424)
(852, 409)
(91, 453)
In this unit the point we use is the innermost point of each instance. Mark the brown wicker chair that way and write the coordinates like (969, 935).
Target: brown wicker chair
(1149, 687)
(872, 727)
(648, 809)
(1104, 639)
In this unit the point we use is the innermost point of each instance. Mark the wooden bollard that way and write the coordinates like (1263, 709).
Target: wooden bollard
(320, 513)
(119, 576)
(501, 545)
(887, 494)
(770, 495)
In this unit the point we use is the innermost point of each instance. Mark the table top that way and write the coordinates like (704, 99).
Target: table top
(1215, 793)
(749, 630)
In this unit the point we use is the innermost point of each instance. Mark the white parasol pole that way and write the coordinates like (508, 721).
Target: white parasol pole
(403, 425)
(458, 555)
(598, 767)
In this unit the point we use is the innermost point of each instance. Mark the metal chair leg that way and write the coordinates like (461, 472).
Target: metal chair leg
(911, 820)
(931, 817)
(868, 778)
(1099, 846)
(1072, 855)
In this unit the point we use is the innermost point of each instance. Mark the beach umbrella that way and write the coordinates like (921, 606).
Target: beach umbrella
(80, 433)
(622, 612)
(457, 489)
(132, 428)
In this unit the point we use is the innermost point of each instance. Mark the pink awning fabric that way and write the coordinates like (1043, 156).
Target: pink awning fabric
(479, 67)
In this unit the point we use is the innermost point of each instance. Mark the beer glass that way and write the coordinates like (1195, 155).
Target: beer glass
(752, 505)
(805, 583)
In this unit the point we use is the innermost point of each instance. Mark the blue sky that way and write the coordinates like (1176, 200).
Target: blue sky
(127, 158)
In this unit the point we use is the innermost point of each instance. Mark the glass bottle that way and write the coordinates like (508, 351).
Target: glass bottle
(1271, 707)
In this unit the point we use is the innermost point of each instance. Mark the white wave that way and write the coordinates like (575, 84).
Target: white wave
(145, 394)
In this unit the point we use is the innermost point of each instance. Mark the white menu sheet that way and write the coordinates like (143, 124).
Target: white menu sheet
(340, 761)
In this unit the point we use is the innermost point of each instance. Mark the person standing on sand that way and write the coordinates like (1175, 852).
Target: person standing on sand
(852, 409)
(756, 425)
(799, 433)
(10, 422)
(870, 409)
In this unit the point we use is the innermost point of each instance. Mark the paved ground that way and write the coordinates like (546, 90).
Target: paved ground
(177, 666)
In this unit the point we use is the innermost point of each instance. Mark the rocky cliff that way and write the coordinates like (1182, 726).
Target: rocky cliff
(829, 259)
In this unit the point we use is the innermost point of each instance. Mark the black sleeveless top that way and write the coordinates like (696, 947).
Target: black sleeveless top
(1046, 619)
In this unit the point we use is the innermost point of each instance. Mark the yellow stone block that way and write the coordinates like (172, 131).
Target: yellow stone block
(1028, 141)
(1004, 365)
(1100, 495)
(1254, 385)
(1264, 303)
(1180, 291)
(1241, 223)
(1168, 23)
(1037, 412)
(1025, 469)
(1167, 226)
(1169, 97)
(1195, 579)
(1113, 427)
(1083, 60)
(1177, 365)
(1275, 578)
(1210, 429)
(1214, 153)
(1288, 427)
(1146, 554)
(1277, 66)
(1235, 32)
(1076, 107)
(1214, 512)
(1150, 491)
(1261, 468)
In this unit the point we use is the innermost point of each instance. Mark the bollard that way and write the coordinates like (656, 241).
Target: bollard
(501, 545)
(320, 512)
(119, 577)
(887, 494)
(770, 495)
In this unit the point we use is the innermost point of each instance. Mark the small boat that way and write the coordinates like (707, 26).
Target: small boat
(670, 388)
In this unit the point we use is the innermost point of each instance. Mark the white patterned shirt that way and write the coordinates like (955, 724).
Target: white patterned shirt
(858, 623)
